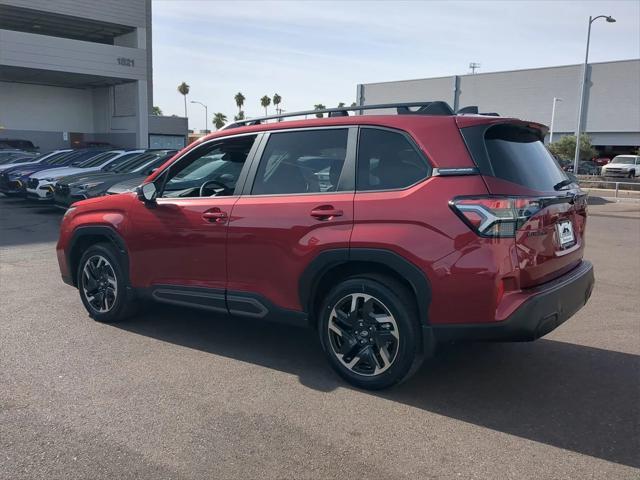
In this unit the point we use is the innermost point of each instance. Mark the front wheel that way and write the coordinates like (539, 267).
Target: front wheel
(102, 285)
(369, 330)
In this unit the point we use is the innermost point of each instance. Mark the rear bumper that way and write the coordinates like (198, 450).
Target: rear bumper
(549, 306)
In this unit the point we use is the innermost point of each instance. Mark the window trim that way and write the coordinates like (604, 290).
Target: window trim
(164, 174)
(347, 176)
(413, 144)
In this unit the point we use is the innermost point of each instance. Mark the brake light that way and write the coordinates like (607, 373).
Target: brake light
(494, 216)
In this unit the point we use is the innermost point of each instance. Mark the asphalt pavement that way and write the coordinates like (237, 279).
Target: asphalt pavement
(183, 394)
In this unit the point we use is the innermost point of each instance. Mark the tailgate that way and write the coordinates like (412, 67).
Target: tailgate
(515, 164)
(551, 242)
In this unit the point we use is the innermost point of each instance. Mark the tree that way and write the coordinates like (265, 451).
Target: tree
(341, 105)
(239, 116)
(276, 102)
(219, 119)
(319, 106)
(265, 102)
(183, 88)
(565, 148)
(156, 111)
(239, 98)
(354, 104)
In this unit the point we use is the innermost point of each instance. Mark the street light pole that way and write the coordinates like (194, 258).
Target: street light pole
(206, 115)
(576, 158)
(553, 116)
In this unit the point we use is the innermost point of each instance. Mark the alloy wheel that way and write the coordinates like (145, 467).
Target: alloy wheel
(363, 334)
(99, 283)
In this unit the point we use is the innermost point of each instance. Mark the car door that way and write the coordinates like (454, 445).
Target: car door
(296, 203)
(180, 250)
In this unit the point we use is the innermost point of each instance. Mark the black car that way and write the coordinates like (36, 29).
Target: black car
(20, 144)
(88, 185)
(584, 168)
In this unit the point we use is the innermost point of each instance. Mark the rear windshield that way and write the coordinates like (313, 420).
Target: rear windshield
(134, 162)
(98, 159)
(57, 158)
(155, 163)
(517, 155)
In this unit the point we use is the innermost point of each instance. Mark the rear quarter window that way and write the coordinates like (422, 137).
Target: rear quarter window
(388, 161)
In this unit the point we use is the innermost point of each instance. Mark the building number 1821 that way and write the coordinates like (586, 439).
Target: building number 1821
(126, 62)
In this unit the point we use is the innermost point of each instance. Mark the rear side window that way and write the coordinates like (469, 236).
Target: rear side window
(387, 160)
(517, 154)
(302, 162)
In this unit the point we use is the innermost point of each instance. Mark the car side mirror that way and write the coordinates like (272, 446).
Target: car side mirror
(147, 192)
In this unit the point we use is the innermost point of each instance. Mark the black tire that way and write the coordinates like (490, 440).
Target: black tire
(122, 304)
(405, 350)
(632, 174)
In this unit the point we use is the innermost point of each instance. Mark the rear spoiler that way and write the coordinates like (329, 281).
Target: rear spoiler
(473, 110)
(468, 121)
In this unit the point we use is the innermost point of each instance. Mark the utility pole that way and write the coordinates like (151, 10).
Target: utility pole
(553, 116)
(473, 66)
(576, 158)
(206, 115)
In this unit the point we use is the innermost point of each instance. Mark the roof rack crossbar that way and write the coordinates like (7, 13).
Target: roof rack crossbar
(423, 108)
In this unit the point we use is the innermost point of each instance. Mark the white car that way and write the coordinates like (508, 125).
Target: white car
(40, 185)
(622, 166)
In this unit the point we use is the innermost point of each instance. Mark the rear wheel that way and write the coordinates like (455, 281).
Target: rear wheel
(102, 285)
(369, 331)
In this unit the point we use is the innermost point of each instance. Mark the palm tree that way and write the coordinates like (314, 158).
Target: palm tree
(219, 119)
(156, 111)
(319, 106)
(183, 88)
(265, 102)
(276, 102)
(239, 98)
(239, 116)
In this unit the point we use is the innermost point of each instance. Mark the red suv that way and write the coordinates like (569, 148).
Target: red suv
(385, 233)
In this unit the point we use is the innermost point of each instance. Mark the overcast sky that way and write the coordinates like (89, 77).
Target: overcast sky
(317, 52)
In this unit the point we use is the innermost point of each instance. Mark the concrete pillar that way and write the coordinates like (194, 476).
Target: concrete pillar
(142, 112)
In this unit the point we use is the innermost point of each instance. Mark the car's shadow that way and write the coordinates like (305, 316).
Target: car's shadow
(579, 398)
(593, 200)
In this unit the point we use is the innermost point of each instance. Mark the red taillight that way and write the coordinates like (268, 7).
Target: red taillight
(496, 216)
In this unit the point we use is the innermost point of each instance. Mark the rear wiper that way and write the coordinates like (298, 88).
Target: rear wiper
(562, 184)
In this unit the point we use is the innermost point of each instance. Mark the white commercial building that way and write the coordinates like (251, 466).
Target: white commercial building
(611, 114)
(74, 72)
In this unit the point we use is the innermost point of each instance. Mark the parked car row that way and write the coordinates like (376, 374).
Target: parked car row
(62, 177)
(627, 166)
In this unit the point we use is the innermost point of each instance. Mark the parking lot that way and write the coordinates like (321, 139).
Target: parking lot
(175, 393)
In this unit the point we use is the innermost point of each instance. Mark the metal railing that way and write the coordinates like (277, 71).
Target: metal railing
(616, 185)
